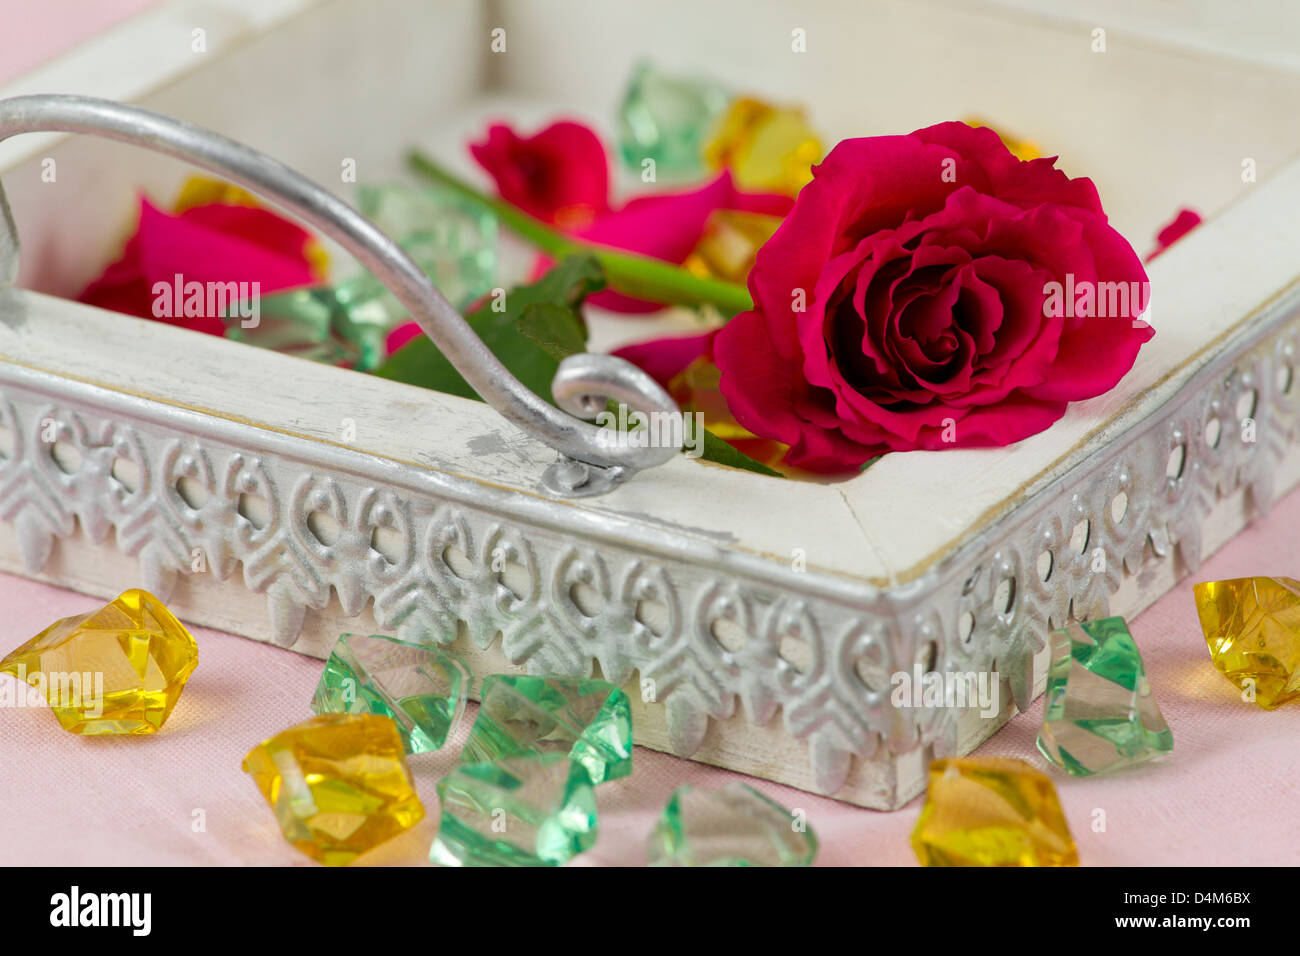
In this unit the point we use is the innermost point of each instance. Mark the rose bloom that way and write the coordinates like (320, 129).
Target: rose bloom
(903, 304)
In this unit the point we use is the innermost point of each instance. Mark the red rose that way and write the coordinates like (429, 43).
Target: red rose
(559, 175)
(930, 291)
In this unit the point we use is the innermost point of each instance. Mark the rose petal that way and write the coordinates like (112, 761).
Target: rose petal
(401, 335)
(759, 387)
(1181, 225)
(663, 359)
(560, 174)
(205, 244)
(1026, 184)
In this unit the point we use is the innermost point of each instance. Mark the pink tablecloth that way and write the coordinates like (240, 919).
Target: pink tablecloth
(1228, 794)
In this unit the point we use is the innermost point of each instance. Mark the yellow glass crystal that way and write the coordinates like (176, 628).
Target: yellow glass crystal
(338, 783)
(1022, 149)
(117, 670)
(766, 147)
(1252, 627)
(991, 811)
(729, 243)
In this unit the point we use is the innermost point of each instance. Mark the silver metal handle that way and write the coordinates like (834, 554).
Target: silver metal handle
(592, 459)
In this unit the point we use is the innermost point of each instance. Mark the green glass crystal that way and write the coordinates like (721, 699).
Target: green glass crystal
(1099, 713)
(733, 826)
(421, 688)
(588, 720)
(452, 239)
(348, 323)
(531, 810)
(668, 119)
(300, 322)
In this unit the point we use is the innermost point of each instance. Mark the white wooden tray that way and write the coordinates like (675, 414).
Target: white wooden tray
(682, 582)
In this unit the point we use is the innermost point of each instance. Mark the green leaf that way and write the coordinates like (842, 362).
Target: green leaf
(538, 326)
(717, 450)
(556, 328)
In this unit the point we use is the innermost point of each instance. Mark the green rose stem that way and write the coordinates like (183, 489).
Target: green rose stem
(641, 277)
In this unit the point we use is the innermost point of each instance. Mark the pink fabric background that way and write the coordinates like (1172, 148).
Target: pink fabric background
(33, 31)
(1227, 795)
